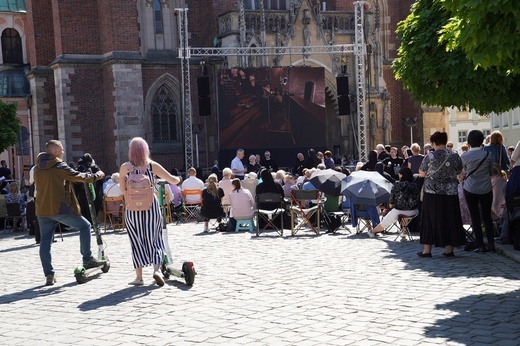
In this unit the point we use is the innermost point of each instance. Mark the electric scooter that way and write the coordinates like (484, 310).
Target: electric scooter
(188, 270)
(80, 272)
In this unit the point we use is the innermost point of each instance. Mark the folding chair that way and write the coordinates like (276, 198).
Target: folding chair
(114, 211)
(362, 217)
(302, 211)
(270, 216)
(14, 215)
(191, 209)
(404, 221)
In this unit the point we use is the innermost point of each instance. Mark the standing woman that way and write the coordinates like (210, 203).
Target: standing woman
(441, 220)
(145, 227)
(478, 191)
(497, 150)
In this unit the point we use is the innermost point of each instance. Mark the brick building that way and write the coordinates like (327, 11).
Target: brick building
(104, 71)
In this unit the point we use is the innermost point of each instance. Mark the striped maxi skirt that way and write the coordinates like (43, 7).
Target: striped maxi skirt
(145, 233)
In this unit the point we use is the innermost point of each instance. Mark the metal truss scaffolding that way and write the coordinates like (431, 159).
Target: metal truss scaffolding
(186, 52)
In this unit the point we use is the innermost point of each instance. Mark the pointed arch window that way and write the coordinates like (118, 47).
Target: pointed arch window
(165, 122)
(12, 47)
(159, 28)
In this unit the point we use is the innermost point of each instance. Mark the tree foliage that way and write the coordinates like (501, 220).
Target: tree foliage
(9, 125)
(438, 76)
(488, 31)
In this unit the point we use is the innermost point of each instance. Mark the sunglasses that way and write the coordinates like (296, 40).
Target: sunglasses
(450, 146)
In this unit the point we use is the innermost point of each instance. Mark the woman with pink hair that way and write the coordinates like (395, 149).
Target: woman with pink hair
(145, 227)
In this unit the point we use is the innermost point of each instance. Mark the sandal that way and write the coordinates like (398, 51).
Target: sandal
(136, 282)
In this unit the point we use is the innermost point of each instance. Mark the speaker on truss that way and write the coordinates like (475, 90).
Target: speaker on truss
(344, 105)
(203, 86)
(204, 106)
(342, 84)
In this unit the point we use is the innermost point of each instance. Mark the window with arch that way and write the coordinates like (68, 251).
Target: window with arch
(165, 125)
(12, 47)
(159, 29)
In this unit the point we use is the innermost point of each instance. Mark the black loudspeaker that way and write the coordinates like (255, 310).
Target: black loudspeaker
(203, 85)
(204, 106)
(342, 84)
(344, 105)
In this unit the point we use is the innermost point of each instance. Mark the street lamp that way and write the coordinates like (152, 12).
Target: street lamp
(411, 122)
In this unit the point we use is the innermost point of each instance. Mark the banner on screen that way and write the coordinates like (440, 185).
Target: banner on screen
(278, 107)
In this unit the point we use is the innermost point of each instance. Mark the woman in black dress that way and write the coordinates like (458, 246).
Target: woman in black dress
(441, 221)
(212, 201)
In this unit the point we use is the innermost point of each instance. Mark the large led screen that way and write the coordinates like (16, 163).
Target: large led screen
(279, 107)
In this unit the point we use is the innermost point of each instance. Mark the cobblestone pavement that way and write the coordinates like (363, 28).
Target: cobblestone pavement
(341, 289)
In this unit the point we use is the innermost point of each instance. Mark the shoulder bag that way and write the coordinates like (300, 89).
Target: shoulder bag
(429, 175)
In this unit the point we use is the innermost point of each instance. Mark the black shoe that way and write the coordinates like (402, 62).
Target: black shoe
(448, 254)
(421, 254)
(491, 248)
(93, 263)
(481, 249)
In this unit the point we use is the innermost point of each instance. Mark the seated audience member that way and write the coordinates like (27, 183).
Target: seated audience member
(112, 189)
(176, 204)
(404, 200)
(242, 204)
(14, 196)
(212, 201)
(192, 183)
(415, 160)
(302, 178)
(268, 162)
(289, 184)
(393, 163)
(279, 177)
(299, 165)
(225, 184)
(266, 183)
(328, 160)
(371, 163)
(307, 185)
(381, 154)
(380, 168)
(250, 182)
(252, 165)
(312, 159)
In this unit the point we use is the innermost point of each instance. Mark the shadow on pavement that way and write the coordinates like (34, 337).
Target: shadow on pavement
(31, 293)
(464, 264)
(118, 297)
(486, 313)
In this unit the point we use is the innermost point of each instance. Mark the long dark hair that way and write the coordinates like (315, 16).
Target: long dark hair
(406, 174)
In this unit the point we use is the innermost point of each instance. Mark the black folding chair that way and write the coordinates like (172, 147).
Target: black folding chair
(271, 215)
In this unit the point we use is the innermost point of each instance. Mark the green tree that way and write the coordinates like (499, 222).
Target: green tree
(10, 125)
(437, 76)
(488, 32)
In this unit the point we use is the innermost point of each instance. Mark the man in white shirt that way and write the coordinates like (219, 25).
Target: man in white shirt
(237, 167)
(192, 183)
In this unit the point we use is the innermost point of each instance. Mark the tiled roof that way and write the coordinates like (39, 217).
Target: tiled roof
(12, 5)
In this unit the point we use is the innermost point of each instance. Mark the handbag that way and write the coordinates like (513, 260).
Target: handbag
(428, 175)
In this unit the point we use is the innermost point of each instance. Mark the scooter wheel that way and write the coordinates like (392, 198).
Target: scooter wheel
(189, 273)
(81, 278)
(106, 267)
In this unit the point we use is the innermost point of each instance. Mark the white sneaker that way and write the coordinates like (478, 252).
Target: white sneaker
(206, 230)
(158, 278)
(370, 233)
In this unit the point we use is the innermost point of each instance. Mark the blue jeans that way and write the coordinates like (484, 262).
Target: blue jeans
(48, 225)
